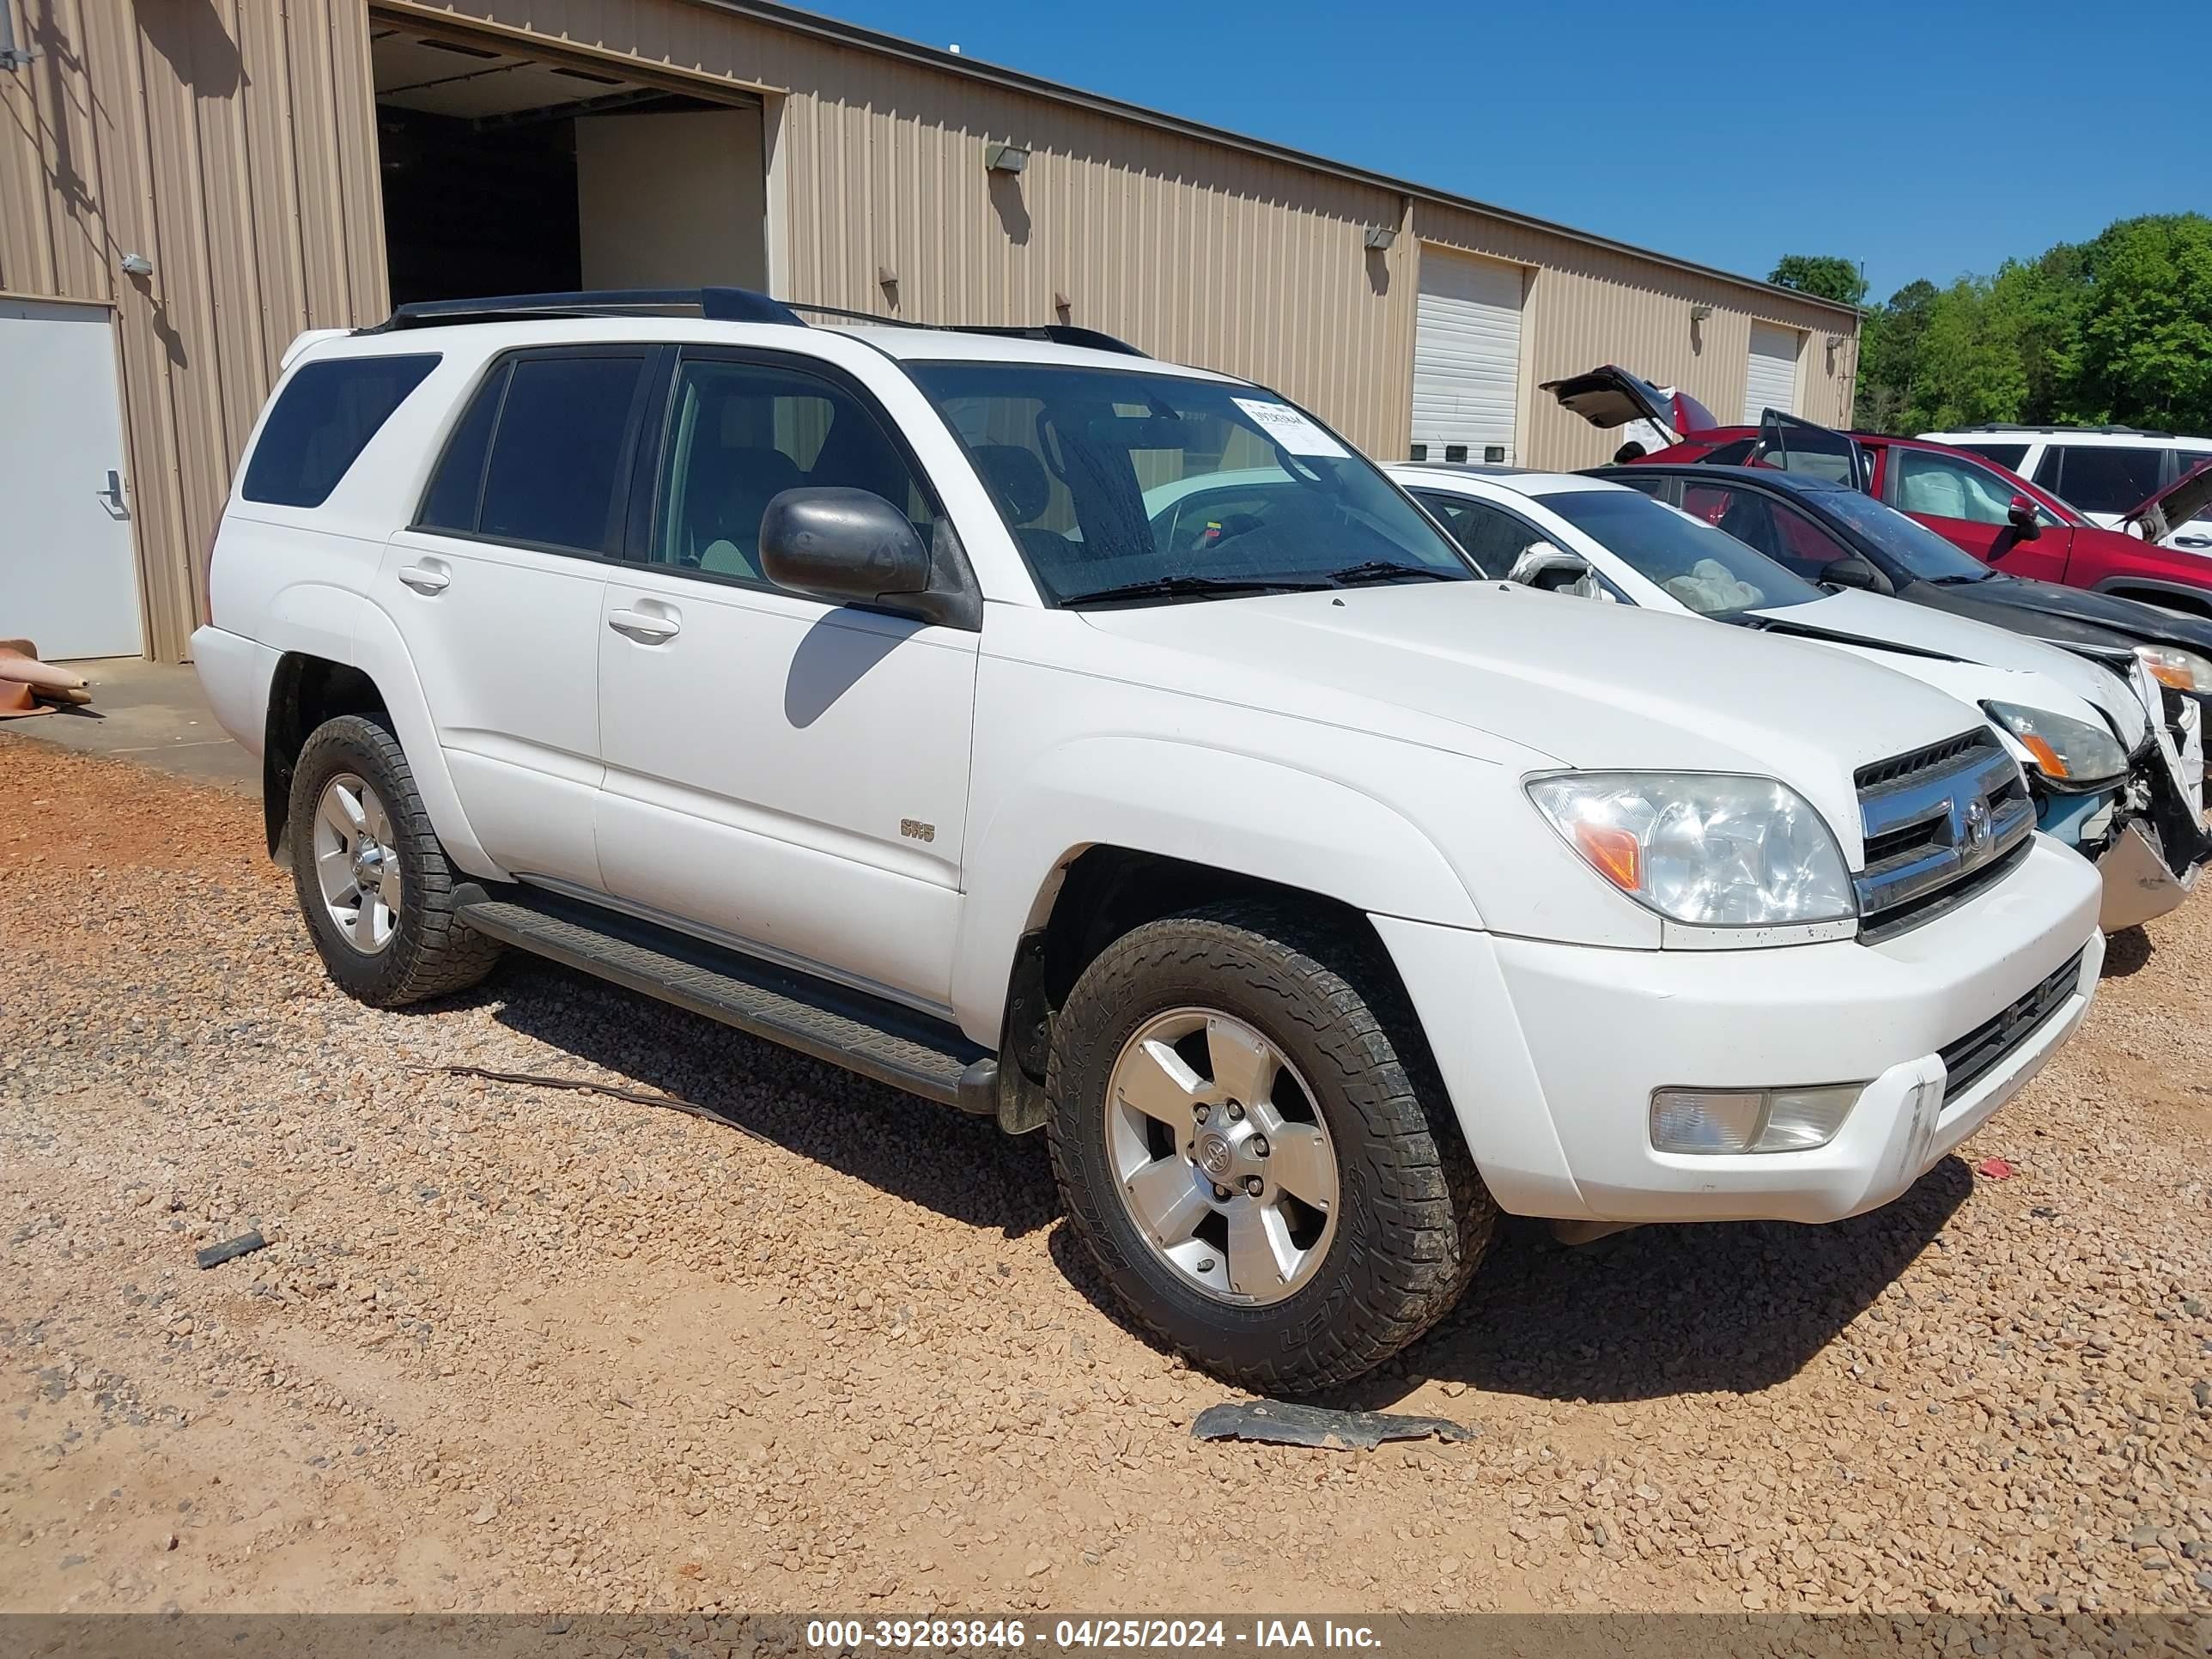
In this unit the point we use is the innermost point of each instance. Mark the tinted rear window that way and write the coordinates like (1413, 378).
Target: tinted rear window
(323, 420)
(2108, 477)
(559, 453)
(457, 487)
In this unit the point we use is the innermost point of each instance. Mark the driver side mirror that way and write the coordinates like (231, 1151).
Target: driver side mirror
(847, 546)
(1852, 571)
(1552, 568)
(2020, 515)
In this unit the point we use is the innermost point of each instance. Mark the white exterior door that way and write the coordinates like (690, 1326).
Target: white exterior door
(1770, 380)
(69, 579)
(1467, 358)
(789, 774)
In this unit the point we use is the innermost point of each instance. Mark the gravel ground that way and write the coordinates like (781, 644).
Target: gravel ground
(515, 1348)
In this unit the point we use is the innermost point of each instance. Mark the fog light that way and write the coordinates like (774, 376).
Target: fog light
(1706, 1120)
(1721, 1120)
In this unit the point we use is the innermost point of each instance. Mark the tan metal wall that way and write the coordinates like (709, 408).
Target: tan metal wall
(1192, 248)
(233, 143)
(1588, 305)
(1193, 251)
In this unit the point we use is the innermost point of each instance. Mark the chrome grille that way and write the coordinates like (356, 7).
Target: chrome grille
(1940, 823)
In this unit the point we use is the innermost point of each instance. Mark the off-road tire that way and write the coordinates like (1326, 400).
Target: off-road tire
(1413, 1218)
(432, 951)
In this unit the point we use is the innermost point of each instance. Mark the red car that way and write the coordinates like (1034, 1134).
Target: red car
(1998, 516)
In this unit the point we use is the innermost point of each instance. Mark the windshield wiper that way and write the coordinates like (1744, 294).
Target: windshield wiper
(1186, 586)
(1383, 570)
(1962, 580)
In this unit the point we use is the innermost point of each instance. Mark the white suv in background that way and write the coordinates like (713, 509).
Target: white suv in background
(855, 687)
(2104, 473)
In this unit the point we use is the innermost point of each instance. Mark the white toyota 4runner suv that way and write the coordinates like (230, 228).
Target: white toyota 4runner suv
(871, 690)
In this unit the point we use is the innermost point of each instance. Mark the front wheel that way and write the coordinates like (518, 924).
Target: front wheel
(372, 879)
(1249, 1136)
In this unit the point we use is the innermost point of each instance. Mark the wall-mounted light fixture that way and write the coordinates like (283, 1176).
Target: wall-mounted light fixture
(887, 280)
(137, 265)
(12, 56)
(1379, 237)
(1006, 158)
(1700, 314)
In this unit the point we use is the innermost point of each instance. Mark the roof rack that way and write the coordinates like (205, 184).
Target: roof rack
(721, 305)
(2105, 431)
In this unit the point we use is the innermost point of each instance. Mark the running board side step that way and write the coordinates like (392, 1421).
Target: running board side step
(877, 1038)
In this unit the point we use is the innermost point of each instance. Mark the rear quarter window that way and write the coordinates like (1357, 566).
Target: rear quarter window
(323, 419)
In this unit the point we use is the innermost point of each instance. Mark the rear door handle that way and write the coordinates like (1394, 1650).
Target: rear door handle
(2192, 541)
(646, 628)
(428, 577)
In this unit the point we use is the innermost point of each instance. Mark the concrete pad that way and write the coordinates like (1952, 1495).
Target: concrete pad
(149, 712)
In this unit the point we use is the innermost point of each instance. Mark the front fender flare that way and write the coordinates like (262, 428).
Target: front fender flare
(1257, 818)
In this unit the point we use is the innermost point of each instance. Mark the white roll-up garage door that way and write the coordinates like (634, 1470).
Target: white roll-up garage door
(1771, 380)
(1467, 357)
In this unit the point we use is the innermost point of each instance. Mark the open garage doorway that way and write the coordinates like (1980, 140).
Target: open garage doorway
(510, 174)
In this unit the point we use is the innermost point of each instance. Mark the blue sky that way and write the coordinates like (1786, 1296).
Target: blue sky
(1930, 139)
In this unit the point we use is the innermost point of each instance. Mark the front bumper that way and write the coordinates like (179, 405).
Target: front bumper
(1550, 1052)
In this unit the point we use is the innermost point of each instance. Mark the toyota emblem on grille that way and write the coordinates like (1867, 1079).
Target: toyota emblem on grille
(1977, 826)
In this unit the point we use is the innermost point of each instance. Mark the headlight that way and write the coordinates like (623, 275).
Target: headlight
(2068, 752)
(1711, 848)
(2185, 670)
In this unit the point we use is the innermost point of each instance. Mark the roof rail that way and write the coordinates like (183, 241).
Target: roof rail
(1058, 333)
(2105, 431)
(722, 305)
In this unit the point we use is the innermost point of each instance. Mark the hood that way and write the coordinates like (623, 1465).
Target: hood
(1611, 397)
(2067, 616)
(1475, 666)
(1975, 661)
(2186, 498)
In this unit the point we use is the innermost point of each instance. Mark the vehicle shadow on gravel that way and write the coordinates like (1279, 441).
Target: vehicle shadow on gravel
(1643, 1314)
(1677, 1310)
(2127, 953)
(961, 1167)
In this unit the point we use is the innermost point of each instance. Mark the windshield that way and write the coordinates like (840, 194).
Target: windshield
(1925, 556)
(1705, 568)
(1110, 479)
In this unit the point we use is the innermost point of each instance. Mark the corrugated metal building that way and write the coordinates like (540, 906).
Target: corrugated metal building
(201, 180)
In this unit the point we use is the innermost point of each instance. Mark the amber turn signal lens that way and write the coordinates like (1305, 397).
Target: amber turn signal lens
(1615, 853)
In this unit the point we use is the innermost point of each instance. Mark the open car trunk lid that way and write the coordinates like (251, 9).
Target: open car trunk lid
(1611, 397)
(2162, 514)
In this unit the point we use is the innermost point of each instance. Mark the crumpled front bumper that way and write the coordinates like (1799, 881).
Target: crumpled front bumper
(2158, 846)
(2139, 884)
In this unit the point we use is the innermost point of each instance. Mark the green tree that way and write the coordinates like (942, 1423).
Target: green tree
(1889, 344)
(2145, 326)
(1827, 275)
(2116, 329)
(1968, 367)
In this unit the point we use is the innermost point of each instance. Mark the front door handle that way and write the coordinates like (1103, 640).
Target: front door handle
(645, 627)
(425, 578)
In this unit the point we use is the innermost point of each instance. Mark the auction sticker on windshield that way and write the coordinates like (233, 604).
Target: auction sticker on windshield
(1289, 428)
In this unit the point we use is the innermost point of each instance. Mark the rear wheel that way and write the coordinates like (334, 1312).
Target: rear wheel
(1249, 1136)
(373, 881)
